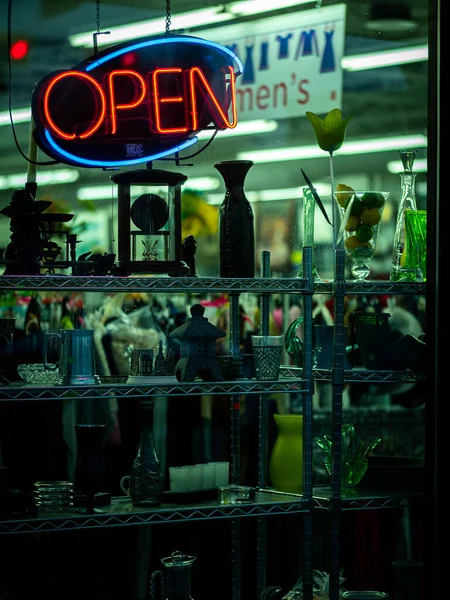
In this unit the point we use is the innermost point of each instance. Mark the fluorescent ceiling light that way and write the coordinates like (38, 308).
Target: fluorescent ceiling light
(190, 19)
(396, 166)
(54, 177)
(272, 195)
(20, 115)
(387, 58)
(256, 7)
(242, 128)
(202, 17)
(360, 147)
(104, 192)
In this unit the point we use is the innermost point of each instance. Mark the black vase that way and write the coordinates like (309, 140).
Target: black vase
(90, 471)
(236, 222)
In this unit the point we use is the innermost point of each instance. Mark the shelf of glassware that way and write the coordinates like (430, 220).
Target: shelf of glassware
(389, 288)
(121, 513)
(153, 284)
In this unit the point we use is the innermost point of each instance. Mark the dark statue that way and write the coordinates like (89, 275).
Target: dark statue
(28, 245)
(188, 248)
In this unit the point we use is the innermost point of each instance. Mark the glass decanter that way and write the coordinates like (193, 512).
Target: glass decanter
(146, 481)
(399, 271)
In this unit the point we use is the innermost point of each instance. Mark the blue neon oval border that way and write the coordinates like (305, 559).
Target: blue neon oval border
(119, 163)
(185, 40)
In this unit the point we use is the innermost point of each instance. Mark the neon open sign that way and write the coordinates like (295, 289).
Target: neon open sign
(136, 102)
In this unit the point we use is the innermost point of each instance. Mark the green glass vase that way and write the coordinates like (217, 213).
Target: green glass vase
(286, 460)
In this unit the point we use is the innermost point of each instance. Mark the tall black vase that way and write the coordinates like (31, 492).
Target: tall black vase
(236, 222)
(90, 471)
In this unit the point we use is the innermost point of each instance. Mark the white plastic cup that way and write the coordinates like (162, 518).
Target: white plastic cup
(222, 473)
(179, 479)
(209, 476)
(195, 478)
(202, 469)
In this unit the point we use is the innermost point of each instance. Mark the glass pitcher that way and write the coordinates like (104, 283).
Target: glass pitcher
(175, 580)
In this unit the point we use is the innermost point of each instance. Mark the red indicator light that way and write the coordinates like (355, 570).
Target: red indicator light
(19, 50)
(128, 59)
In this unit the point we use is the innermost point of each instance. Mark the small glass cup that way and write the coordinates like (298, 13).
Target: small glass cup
(416, 244)
(267, 354)
(53, 496)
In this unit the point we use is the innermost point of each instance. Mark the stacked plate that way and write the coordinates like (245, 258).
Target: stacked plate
(53, 496)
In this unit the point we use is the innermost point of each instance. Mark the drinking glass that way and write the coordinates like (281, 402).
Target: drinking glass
(362, 227)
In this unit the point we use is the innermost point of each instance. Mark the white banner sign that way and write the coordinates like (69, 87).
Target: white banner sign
(292, 63)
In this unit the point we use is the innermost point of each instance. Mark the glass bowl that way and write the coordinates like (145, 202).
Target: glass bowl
(38, 374)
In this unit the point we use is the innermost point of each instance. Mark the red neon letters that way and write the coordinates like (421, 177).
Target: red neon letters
(189, 82)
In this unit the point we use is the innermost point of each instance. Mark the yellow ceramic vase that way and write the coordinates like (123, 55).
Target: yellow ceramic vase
(286, 460)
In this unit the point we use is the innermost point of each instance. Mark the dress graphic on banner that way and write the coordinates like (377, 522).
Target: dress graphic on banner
(249, 70)
(328, 63)
(283, 51)
(264, 60)
(307, 44)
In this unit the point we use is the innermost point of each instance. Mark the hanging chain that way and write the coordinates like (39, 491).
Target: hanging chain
(97, 14)
(98, 32)
(168, 17)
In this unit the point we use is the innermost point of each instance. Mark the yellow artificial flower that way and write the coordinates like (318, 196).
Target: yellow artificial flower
(330, 132)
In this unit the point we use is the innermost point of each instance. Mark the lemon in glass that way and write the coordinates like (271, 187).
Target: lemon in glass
(370, 216)
(343, 193)
(353, 223)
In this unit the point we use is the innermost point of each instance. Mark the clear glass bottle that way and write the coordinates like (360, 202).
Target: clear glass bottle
(146, 482)
(399, 271)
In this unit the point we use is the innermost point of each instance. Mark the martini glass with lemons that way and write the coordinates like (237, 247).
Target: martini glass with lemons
(361, 212)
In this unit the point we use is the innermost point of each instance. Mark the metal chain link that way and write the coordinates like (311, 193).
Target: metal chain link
(168, 17)
(97, 9)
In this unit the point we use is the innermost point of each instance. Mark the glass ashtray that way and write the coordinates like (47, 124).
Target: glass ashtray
(235, 494)
(38, 374)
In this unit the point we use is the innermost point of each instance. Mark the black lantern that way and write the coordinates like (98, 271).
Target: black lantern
(149, 222)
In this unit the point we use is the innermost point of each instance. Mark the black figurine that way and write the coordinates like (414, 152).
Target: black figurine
(25, 250)
(197, 338)
(188, 248)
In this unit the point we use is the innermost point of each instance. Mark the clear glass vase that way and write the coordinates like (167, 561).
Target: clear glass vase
(309, 207)
(399, 269)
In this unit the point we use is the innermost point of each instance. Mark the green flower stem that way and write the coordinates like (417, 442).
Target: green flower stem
(333, 203)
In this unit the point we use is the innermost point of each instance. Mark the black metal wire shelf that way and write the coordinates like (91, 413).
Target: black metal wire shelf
(366, 499)
(16, 391)
(121, 513)
(160, 284)
(152, 284)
